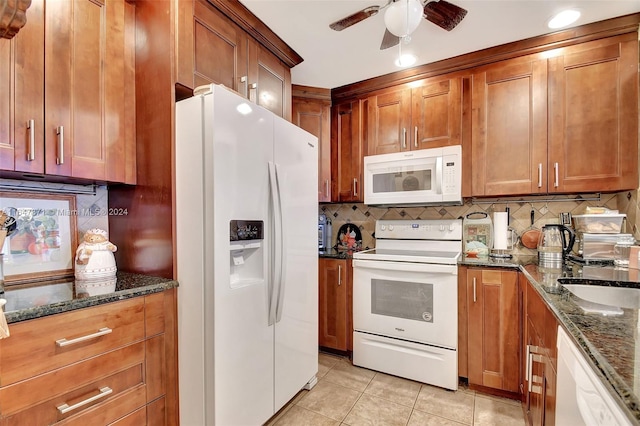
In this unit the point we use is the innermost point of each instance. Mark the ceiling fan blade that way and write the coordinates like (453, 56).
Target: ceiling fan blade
(389, 40)
(444, 14)
(354, 18)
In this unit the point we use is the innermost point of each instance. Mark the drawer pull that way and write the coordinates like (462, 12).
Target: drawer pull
(65, 408)
(64, 342)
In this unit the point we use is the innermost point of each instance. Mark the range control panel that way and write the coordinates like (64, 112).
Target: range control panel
(445, 229)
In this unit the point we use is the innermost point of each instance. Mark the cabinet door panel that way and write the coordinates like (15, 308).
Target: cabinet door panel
(437, 114)
(389, 122)
(333, 304)
(28, 98)
(509, 128)
(313, 116)
(219, 49)
(272, 80)
(593, 118)
(346, 151)
(493, 314)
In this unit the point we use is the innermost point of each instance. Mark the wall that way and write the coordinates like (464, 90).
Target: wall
(364, 217)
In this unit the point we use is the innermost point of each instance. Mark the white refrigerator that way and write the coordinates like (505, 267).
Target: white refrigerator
(247, 261)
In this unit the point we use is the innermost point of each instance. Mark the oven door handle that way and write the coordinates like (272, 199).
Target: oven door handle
(385, 265)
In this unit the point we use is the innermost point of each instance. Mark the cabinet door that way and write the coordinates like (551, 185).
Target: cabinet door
(509, 128)
(86, 98)
(437, 114)
(332, 296)
(313, 116)
(347, 152)
(22, 106)
(210, 48)
(269, 81)
(593, 116)
(494, 332)
(389, 122)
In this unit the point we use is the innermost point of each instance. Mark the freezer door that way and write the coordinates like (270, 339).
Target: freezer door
(238, 148)
(296, 334)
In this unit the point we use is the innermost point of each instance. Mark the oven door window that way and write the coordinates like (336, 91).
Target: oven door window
(402, 181)
(402, 299)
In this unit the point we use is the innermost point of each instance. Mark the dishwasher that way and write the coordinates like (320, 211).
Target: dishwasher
(581, 398)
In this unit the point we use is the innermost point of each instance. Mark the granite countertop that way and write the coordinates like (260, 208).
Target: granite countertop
(30, 301)
(609, 343)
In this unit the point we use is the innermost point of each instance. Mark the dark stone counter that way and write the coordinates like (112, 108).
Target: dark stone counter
(29, 301)
(609, 343)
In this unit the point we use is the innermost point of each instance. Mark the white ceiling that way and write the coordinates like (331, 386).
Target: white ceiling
(333, 59)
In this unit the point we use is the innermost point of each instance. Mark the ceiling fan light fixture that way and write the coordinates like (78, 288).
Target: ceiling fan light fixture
(402, 17)
(563, 19)
(405, 60)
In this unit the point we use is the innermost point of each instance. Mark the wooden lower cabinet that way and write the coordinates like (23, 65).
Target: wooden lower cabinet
(335, 300)
(494, 329)
(540, 361)
(119, 377)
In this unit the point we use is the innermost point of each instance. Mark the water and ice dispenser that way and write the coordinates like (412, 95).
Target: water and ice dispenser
(246, 252)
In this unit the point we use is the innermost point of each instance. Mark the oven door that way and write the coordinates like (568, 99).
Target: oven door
(411, 301)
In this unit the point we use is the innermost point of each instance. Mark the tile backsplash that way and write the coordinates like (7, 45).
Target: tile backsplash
(364, 217)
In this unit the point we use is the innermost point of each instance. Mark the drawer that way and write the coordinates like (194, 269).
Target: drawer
(118, 370)
(45, 344)
(137, 418)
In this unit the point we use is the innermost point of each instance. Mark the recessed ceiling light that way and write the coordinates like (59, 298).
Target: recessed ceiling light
(564, 18)
(405, 60)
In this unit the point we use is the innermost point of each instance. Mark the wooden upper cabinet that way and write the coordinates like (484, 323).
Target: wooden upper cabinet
(312, 114)
(593, 116)
(210, 48)
(347, 150)
(72, 92)
(22, 105)
(269, 81)
(437, 114)
(509, 128)
(389, 122)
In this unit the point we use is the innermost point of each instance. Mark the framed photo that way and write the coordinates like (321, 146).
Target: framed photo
(44, 241)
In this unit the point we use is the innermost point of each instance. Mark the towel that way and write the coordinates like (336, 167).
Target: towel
(4, 327)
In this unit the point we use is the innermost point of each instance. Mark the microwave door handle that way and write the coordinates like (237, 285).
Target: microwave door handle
(439, 175)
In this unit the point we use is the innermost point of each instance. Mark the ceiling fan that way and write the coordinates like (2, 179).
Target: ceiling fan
(403, 16)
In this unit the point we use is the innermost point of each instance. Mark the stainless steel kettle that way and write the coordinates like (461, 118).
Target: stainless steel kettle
(555, 242)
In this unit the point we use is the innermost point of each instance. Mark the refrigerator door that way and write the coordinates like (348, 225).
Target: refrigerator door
(296, 330)
(238, 143)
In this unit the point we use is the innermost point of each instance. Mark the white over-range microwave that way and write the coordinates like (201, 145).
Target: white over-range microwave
(414, 178)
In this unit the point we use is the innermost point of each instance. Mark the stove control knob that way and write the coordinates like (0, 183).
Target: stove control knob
(442, 228)
(390, 227)
(383, 227)
(452, 227)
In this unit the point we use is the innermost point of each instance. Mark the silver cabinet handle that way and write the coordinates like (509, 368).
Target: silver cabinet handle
(245, 80)
(355, 187)
(339, 274)
(253, 92)
(64, 342)
(65, 408)
(60, 133)
(326, 187)
(404, 137)
(539, 175)
(31, 153)
(474, 290)
(555, 170)
(415, 137)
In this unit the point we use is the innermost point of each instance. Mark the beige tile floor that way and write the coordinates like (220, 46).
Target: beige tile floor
(348, 395)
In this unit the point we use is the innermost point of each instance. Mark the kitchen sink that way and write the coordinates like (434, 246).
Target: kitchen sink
(602, 297)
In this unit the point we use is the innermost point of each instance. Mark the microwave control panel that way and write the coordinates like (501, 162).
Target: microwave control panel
(450, 174)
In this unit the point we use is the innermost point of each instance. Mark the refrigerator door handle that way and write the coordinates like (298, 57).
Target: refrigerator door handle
(280, 249)
(276, 254)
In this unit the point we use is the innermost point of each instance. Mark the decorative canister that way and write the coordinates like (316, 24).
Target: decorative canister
(94, 257)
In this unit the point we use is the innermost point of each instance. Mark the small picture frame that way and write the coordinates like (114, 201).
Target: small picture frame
(43, 244)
